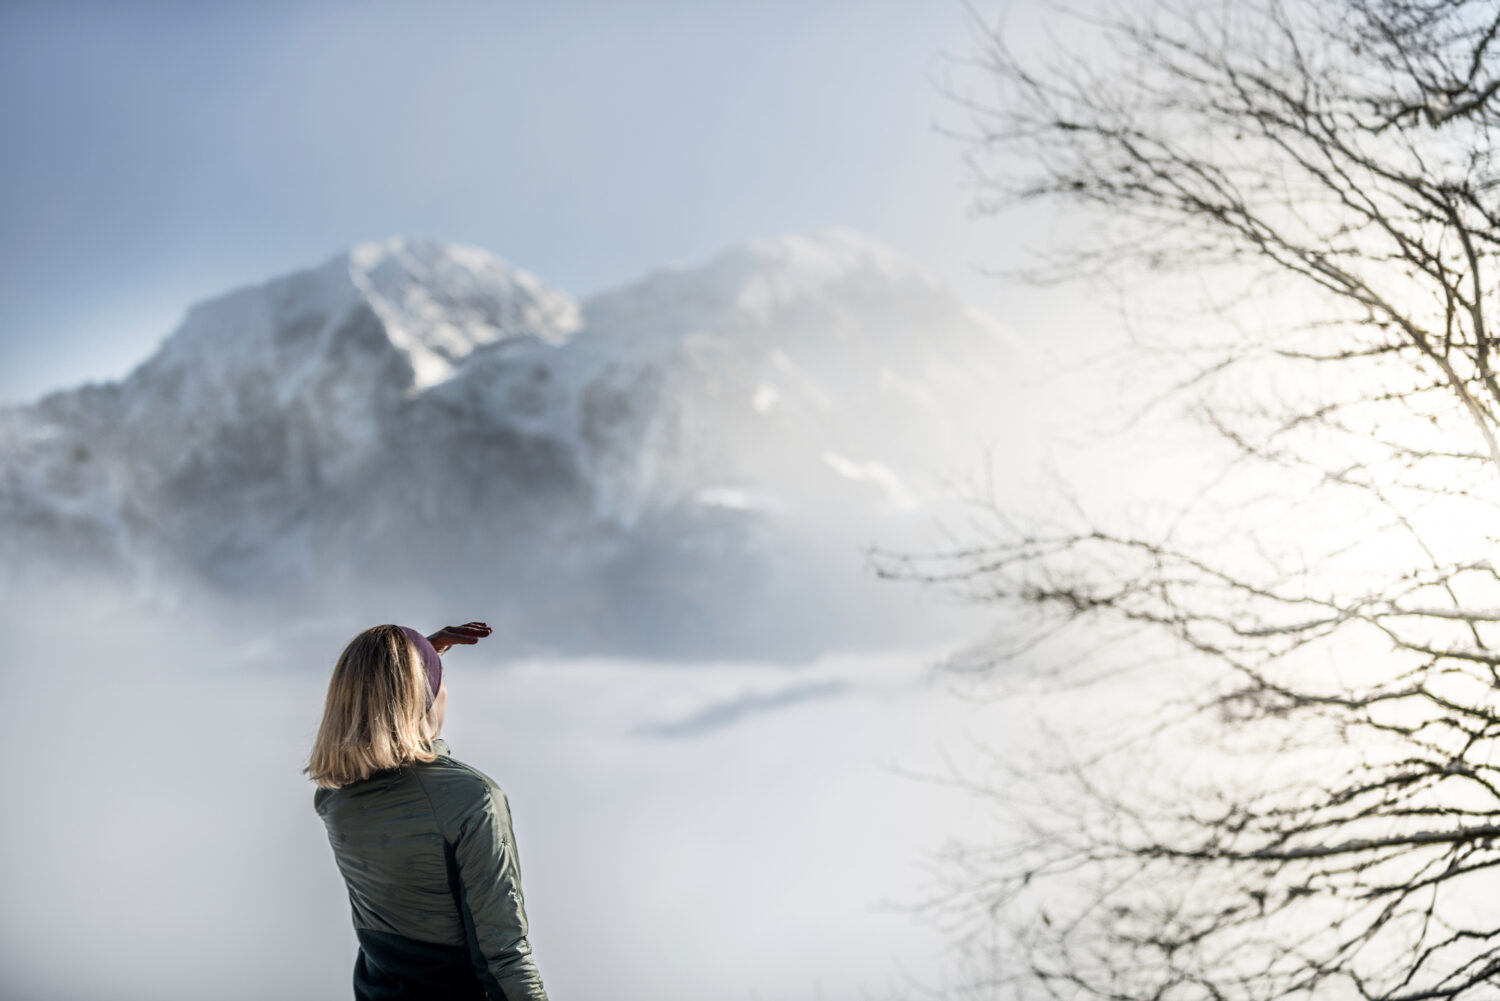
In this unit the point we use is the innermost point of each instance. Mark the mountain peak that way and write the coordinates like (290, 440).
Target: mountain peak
(821, 279)
(763, 276)
(435, 303)
(442, 301)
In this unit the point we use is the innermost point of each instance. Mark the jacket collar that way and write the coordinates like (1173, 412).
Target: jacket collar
(440, 745)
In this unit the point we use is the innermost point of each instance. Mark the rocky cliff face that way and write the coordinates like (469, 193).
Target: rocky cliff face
(687, 464)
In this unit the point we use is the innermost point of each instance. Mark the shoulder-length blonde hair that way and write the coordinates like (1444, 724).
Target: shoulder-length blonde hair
(375, 714)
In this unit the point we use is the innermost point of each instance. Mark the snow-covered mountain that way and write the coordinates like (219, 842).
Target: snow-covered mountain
(690, 463)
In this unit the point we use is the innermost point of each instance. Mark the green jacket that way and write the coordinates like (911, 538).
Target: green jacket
(434, 880)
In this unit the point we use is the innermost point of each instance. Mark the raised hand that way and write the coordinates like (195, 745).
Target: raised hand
(468, 634)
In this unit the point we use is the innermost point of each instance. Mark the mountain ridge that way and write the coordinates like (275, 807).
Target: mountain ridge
(411, 402)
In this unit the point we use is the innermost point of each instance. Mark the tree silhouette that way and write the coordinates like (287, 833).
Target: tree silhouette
(1313, 809)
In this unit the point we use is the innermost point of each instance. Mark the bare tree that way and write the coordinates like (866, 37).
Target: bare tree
(1318, 812)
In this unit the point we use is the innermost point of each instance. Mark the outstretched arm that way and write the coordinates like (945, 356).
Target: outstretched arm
(468, 634)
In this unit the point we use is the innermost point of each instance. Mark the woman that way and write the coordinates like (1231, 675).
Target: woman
(424, 842)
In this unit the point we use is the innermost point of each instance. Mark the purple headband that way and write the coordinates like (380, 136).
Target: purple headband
(431, 662)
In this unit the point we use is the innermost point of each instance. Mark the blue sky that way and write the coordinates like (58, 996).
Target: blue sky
(156, 154)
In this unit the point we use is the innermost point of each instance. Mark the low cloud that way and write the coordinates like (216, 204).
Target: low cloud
(726, 712)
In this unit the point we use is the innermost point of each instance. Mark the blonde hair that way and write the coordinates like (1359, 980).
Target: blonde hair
(375, 714)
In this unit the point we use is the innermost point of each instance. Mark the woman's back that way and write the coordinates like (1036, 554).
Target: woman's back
(428, 854)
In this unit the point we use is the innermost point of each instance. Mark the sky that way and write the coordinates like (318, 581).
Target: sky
(157, 154)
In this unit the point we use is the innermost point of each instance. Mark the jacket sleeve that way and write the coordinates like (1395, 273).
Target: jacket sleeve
(489, 874)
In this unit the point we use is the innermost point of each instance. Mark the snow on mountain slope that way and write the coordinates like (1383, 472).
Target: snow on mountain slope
(795, 349)
(377, 324)
(423, 417)
(441, 302)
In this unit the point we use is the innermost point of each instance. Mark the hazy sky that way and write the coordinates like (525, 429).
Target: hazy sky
(156, 154)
